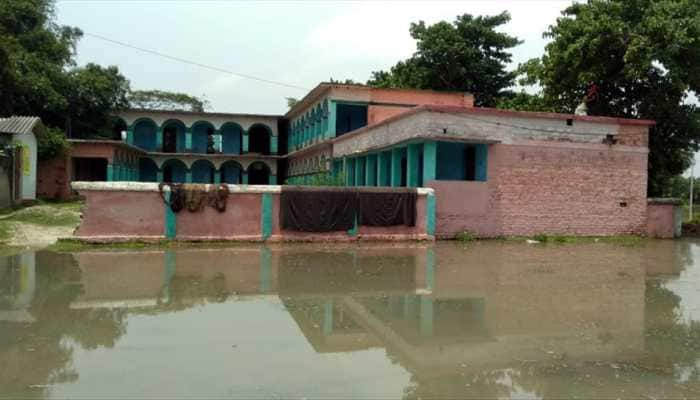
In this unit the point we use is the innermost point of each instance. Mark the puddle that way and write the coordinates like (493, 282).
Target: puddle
(485, 320)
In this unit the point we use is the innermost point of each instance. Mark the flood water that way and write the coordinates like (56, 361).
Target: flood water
(482, 320)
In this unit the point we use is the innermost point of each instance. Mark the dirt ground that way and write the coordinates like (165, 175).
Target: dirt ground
(40, 225)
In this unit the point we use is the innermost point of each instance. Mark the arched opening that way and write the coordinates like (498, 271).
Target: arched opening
(231, 172)
(145, 134)
(173, 137)
(174, 171)
(259, 139)
(118, 126)
(203, 138)
(231, 139)
(148, 170)
(258, 173)
(203, 171)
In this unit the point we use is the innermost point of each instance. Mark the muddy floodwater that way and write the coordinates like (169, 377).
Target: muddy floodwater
(486, 320)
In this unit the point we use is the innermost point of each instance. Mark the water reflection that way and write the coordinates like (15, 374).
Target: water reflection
(488, 320)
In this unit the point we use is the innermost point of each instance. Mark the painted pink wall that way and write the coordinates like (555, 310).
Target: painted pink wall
(240, 221)
(123, 214)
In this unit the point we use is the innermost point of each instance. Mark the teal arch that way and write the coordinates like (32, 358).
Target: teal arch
(231, 138)
(259, 173)
(148, 170)
(200, 138)
(145, 131)
(180, 129)
(203, 171)
(259, 137)
(174, 170)
(231, 172)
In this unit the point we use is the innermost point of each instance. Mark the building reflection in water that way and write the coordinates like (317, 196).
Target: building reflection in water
(491, 320)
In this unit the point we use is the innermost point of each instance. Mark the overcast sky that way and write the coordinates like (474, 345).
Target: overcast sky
(299, 43)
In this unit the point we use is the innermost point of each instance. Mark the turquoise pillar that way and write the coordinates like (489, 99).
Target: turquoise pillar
(430, 214)
(384, 169)
(130, 136)
(482, 155)
(412, 168)
(396, 167)
(429, 162)
(188, 140)
(159, 139)
(266, 216)
(332, 116)
(245, 142)
(272, 180)
(170, 219)
(110, 173)
(349, 172)
(273, 144)
(217, 176)
(188, 175)
(244, 177)
(371, 170)
(159, 175)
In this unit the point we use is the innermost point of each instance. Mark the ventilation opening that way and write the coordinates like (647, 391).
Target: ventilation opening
(569, 122)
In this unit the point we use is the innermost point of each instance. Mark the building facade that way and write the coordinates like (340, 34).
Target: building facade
(494, 172)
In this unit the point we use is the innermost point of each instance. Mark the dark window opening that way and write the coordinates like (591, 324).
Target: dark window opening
(569, 122)
(259, 140)
(469, 163)
(167, 173)
(210, 141)
(349, 117)
(258, 174)
(170, 139)
(90, 169)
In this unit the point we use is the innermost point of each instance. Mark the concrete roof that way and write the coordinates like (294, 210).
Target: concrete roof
(19, 125)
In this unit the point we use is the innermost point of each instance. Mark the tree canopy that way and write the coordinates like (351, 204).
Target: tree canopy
(643, 56)
(39, 76)
(467, 55)
(163, 100)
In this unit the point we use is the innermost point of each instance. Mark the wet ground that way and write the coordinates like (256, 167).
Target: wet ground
(483, 320)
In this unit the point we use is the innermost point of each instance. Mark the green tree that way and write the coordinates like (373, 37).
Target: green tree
(643, 56)
(468, 55)
(164, 100)
(38, 74)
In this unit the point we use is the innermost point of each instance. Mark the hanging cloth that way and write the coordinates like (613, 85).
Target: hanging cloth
(310, 210)
(388, 208)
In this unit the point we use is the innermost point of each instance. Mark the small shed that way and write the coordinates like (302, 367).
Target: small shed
(18, 158)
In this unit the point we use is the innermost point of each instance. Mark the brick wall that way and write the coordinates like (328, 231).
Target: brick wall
(552, 188)
(53, 179)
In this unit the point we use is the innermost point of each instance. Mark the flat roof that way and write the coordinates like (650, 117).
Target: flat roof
(215, 114)
(498, 113)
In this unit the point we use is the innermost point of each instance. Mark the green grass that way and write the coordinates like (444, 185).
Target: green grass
(621, 240)
(465, 236)
(44, 213)
(73, 245)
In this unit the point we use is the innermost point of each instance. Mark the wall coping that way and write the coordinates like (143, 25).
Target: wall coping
(153, 187)
(664, 200)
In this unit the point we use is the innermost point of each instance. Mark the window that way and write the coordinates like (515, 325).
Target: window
(350, 117)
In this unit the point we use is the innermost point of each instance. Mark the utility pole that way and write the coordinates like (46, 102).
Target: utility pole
(690, 199)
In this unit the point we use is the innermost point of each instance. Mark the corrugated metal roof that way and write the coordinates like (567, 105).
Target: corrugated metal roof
(18, 125)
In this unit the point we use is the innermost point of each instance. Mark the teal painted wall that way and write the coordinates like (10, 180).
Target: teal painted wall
(199, 138)
(451, 161)
(231, 173)
(145, 135)
(202, 172)
(148, 170)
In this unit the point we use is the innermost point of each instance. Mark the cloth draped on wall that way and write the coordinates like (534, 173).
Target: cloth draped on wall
(317, 210)
(194, 196)
(388, 208)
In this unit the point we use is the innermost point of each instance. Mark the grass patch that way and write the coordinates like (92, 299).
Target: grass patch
(621, 240)
(5, 231)
(465, 236)
(45, 216)
(73, 245)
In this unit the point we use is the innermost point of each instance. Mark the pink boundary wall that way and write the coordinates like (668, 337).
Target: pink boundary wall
(122, 211)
